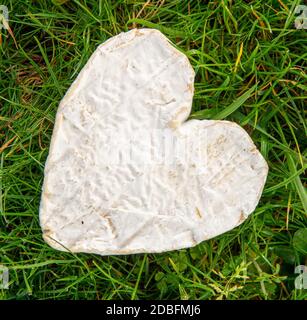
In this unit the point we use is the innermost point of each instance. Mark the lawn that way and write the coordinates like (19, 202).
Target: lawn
(250, 64)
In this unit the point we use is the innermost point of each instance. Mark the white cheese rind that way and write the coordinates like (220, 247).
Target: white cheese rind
(126, 173)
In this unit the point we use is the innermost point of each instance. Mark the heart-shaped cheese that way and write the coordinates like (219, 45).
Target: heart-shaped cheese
(126, 173)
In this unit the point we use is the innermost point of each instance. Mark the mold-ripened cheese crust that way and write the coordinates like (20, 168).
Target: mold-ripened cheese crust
(126, 173)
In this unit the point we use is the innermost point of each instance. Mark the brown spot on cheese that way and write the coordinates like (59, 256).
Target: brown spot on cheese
(253, 150)
(172, 124)
(175, 122)
(242, 217)
(47, 194)
(191, 87)
(138, 33)
(221, 139)
(110, 224)
(198, 213)
(46, 232)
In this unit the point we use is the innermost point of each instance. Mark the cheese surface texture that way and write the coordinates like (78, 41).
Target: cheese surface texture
(127, 172)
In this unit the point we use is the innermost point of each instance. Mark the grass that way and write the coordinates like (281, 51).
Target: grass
(250, 64)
